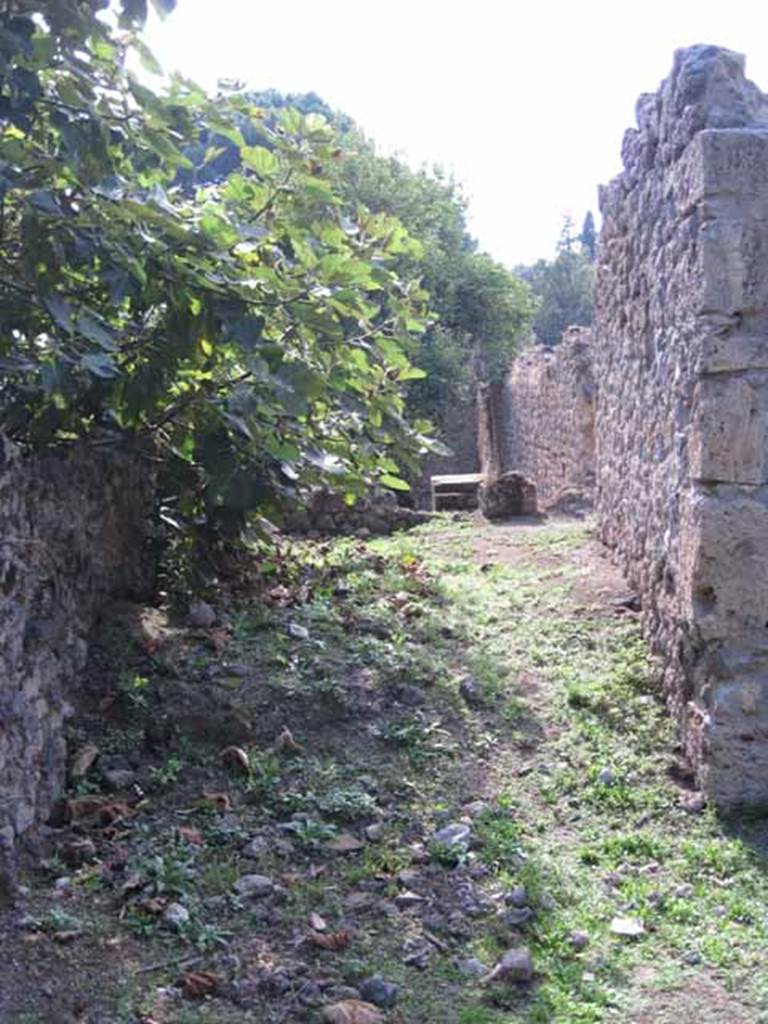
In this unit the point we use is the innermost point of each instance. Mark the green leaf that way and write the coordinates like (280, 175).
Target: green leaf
(100, 365)
(394, 482)
(259, 159)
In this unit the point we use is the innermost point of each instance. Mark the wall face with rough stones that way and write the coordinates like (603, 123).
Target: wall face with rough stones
(74, 531)
(327, 514)
(681, 360)
(545, 422)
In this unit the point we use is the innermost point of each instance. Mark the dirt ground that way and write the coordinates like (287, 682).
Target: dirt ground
(486, 677)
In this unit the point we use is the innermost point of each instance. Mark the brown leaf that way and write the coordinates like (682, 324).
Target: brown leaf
(351, 1011)
(218, 638)
(197, 984)
(83, 760)
(84, 807)
(236, 757)
(219, 801)
(114, 811)
(317, 923)
(345, 843)
(334, 941)
(286, 744)
(191, 835)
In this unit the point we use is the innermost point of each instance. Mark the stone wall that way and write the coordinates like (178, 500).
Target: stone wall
(541, 422)
(326, 513)
(74, 530)
(682, 425)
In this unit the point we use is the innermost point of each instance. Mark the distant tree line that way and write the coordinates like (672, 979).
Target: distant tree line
(564, 287)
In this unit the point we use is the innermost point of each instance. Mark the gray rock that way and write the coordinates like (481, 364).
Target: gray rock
(256, 848)
(379, 992)
(407, 899)
(472, 967)
(518, 916)
(254, 886)
(201, 615)
(470, 692)
(606, 776)
(454, 836)
(411, 696)
(118, 778)
(375, 833)
(517, 897)
(176, 916)
(516, 965)
(476, 808)
(297, 631)
(579, 940)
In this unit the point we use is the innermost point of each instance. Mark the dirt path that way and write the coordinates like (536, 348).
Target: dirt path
(482, 765)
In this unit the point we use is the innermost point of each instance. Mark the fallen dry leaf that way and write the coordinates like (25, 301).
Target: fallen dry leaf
(191, 835)
(83, 760)
(345, 843)
(154, 905)
(351, 1011)
(114, 811)
(197, 984)
(317, 923)
(218, 638)
(286, 744)
(236, 757)
(219, 801)
(84, 807)
(333, 941)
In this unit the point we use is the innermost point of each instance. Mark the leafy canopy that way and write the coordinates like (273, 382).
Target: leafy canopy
(482, 312)
(257, 326)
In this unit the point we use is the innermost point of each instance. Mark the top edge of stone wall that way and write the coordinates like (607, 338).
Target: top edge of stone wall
(707, 89)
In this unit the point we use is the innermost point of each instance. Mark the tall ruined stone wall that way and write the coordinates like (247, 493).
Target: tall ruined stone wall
(545, 420)
(74, 530)
(682, 426)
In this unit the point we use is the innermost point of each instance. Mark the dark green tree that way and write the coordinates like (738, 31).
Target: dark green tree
(588, 237)
(563, 288)
(256, 330)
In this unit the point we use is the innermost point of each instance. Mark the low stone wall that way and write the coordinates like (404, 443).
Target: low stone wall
(74, 529)
(326, 513)
(541, 421)
(682, 425)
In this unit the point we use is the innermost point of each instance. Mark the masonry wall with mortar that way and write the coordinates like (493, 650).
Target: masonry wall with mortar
(545, 420)
(681, 360)
(74, 530)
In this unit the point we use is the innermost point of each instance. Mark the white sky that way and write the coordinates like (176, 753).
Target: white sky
(525, 103)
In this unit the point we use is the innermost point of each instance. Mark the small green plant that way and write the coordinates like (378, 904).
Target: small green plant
(168, 774)
(57, 920)
(311, 833)
(135, 689)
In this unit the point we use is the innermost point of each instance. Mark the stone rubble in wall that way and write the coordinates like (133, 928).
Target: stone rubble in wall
(74, 528)
(327, 514)
(541, 422)
(681, 360)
